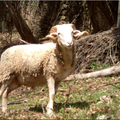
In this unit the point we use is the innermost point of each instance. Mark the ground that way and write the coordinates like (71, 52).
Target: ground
(78, 99)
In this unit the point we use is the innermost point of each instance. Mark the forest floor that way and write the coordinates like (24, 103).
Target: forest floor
(78, 99)
(94, 98)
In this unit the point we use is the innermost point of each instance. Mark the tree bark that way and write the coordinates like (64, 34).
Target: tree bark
(103, 14)
(118, 17)
(49, 11)
(20, 23)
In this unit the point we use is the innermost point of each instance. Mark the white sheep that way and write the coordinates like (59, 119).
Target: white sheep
(37, 64)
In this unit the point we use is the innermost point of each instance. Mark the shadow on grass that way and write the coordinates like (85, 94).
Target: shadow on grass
(37, 108)
(58, 106)
(81, 105)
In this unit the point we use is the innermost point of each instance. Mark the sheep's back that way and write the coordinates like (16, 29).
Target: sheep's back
(28, 58)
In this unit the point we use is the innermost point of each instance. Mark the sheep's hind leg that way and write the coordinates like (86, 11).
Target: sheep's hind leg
(12, 86)
(7, 79)
(4, 86)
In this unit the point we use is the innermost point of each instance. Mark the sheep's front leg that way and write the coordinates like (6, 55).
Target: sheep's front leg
(51, 86)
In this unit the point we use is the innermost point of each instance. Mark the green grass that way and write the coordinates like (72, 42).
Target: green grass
(95, 66)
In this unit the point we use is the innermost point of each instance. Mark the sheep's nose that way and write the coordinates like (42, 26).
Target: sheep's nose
(70, 43)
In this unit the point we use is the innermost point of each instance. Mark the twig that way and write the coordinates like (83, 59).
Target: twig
(42, 40)
(112, 84)
(43, 109)
(111, 55)
(17, 102)
(24, 41)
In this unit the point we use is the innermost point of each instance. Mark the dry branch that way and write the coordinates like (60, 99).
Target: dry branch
(44, 40)
(41, 41)
(105, 72)
(102, 48)
(23, 41)
(17, 102)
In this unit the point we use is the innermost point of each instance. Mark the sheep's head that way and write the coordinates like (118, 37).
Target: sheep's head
(65, 34)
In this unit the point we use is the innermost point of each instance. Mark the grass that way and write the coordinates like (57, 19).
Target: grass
(95, 66)
(79, 102)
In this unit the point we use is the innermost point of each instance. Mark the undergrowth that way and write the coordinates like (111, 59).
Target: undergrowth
(95, 66)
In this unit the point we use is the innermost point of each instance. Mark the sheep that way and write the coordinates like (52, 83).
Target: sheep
(37, 64)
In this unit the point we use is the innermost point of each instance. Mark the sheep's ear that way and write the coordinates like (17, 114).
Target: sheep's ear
(73, 26)
(53, 34)
(53, 29)
(77, 34)
(53, 37)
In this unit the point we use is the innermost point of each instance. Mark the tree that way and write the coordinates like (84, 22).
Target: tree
(103, 14)
(19, 23)
(118, 17)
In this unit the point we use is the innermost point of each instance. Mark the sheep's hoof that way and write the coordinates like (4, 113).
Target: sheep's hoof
(5, 113)
(49, 111)
(51, 115)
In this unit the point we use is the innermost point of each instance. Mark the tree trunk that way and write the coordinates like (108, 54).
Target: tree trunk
(20, 23)
(103, 14)
(49, 11)
(118, 17)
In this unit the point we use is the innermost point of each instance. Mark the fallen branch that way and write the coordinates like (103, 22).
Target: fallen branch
(44, 40)
(105, 72)
(23, 41)
(17, 102)
(41, 40)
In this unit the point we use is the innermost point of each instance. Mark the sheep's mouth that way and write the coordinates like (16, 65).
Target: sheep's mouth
(68, 46)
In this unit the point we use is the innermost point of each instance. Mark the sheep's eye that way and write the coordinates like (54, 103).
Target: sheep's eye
(59, 33)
